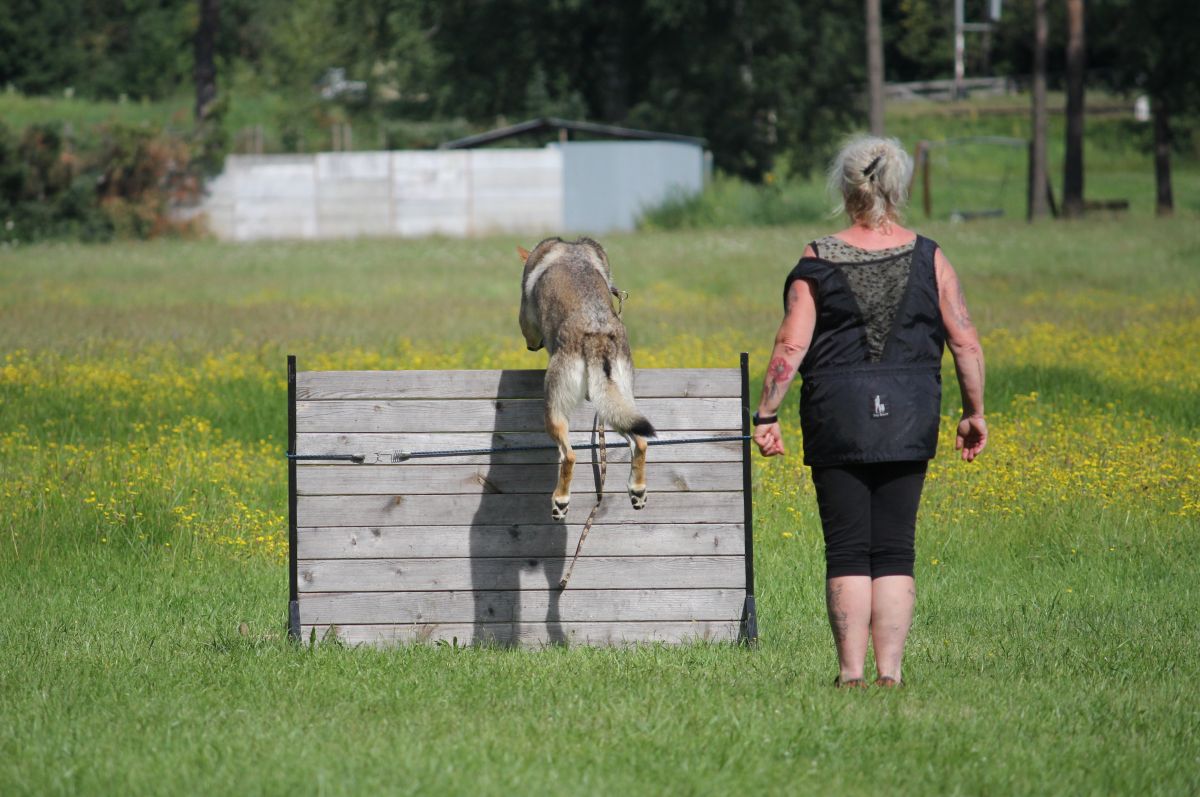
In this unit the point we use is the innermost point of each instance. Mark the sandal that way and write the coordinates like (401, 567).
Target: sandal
(853, 683)
(888, 682)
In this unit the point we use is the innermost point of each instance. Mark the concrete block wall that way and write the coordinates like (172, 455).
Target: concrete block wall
(586, 187)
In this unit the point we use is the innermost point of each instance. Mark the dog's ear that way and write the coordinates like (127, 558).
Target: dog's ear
(523, 252)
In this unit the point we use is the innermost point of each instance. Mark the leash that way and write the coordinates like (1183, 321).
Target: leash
(621, 297)
(405, 456)
(598, 430)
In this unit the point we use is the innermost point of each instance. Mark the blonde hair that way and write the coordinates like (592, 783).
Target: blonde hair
(870, 178)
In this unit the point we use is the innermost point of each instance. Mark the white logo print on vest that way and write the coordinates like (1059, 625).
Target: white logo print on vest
(880, 408)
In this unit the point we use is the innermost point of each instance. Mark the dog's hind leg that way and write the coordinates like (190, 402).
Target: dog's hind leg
(637, 470)
(561, 434)
(564, 390)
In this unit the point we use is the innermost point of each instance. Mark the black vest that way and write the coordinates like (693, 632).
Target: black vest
(872, 386)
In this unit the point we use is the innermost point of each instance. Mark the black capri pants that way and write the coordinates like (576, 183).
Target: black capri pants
(869, 516)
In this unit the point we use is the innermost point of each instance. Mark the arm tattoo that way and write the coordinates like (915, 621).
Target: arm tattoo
(779, 375)
(792, 295)
(960, 308)
(779, 370)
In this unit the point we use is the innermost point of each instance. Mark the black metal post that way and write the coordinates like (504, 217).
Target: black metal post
(293, 590)
(749, 630)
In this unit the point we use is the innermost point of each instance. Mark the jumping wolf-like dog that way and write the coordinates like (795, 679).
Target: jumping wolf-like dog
(566, 306)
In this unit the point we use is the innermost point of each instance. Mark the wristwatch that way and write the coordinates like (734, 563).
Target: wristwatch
(760, 420)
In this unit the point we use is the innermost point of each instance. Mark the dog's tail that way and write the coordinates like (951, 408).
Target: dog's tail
(610, 386)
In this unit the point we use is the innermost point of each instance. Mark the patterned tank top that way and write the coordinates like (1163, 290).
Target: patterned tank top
(878, 282)
(871, 389)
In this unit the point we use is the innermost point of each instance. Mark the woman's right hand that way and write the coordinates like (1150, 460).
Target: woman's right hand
(972, 436)
(769, 438)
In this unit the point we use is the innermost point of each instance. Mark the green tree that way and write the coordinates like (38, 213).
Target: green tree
(1012, 42)
(37, 52)
(1146, 46)
(385, 43)
(756, 78)
(101, 48)
(921, 45)
(491, 53)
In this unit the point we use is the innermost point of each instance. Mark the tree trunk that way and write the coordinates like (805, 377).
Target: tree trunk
(875, 66)
(1037, 151)
(1165, 203)
(1073, 163)
(205, 70)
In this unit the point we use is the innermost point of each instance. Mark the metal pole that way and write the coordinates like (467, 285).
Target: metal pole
(293, 588)
(875, 67)
(749, 631)
(960, 45)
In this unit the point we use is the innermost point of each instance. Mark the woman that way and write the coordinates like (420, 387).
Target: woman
(867, 312)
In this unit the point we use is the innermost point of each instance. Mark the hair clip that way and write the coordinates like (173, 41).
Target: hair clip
(867, 172)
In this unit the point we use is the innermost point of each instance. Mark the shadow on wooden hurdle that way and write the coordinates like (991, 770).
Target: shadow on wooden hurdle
(387, 549)
(501, 554)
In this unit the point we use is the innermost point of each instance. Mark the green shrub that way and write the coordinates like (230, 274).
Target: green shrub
(729, 202)
(407, 134)
(43, 191)
(115, 180)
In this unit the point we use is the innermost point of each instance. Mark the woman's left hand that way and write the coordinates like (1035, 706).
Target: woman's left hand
(769, 438)
(971, 436)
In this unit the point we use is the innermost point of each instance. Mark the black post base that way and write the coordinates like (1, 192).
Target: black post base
(294, 620)
(749, 634)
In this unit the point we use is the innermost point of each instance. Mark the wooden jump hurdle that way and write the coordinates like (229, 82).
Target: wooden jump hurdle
(390, 550)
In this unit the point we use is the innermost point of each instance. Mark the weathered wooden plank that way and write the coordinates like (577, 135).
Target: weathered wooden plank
(517, 540)
(511, 606)
(528, 634)
(492, 509)
(430, 479)
(384, 449)
(593, 572)
(509, 384)
(506, 415)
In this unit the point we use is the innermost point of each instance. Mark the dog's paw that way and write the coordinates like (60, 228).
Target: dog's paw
(559, 506)
(637, 498)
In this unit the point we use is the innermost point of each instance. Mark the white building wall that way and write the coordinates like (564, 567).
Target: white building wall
(516, 190)
(590, 187)
(353, 194)
(608, 185)
(431, 193)
(264, 197)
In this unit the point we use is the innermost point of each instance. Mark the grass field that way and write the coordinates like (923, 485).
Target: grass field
(142, 424)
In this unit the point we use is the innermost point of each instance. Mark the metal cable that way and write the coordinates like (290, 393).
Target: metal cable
(404, 456)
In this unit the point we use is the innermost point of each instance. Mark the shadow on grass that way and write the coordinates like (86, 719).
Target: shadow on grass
(1179, 410)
